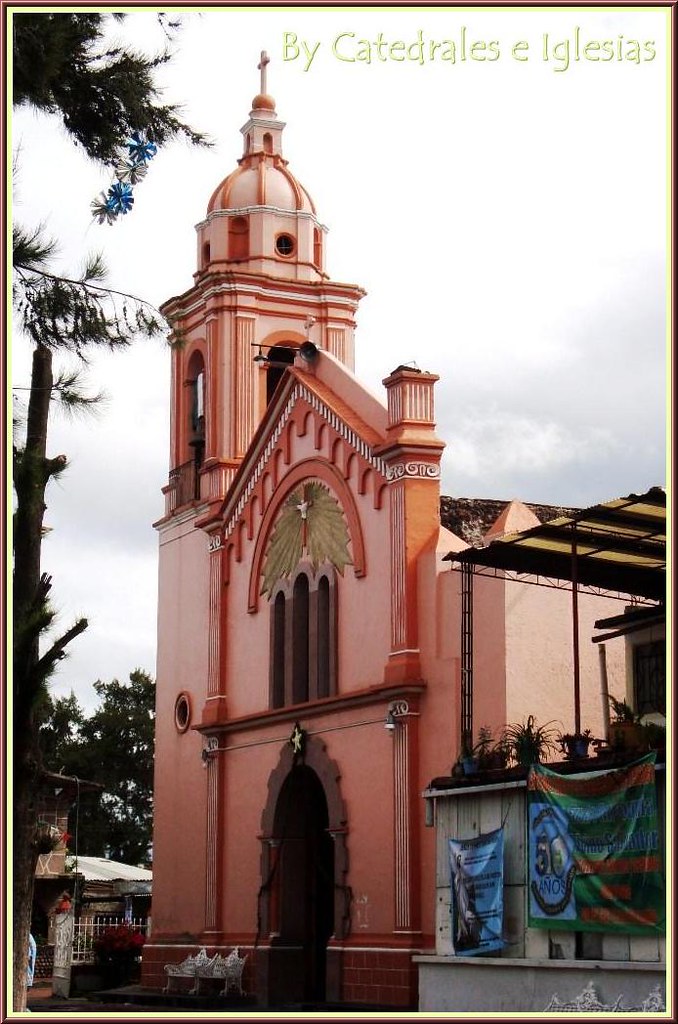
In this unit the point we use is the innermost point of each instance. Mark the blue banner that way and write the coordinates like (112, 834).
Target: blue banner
(477, 883)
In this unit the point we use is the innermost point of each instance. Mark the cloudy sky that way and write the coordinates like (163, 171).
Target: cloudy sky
(507, 217)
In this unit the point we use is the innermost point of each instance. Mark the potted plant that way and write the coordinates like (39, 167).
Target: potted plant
(654, 735)
(467, 758)
(491, 753)
(530, 743)
(626, 731)
(118, 951)
(575, 744)
(500, 754)
(475, 756)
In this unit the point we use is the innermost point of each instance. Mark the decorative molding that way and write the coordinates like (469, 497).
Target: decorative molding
(311, 520)
(211, 858)
(398, 569)
(308, 469)
(214, 624)
(327, 771)
(243, 389)
(427, 470)
(333, 420)
(402, 843)
(170, 521)
(328, 297)
(410, 400)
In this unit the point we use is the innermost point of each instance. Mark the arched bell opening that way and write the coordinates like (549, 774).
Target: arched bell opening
(195, 428)
(280, 357)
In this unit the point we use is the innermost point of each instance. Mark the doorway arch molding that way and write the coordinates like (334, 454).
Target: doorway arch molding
(314, 756)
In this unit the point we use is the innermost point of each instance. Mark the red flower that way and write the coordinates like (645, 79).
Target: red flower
(119, 940)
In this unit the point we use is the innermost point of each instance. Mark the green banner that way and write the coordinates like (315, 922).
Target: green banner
(594, 858)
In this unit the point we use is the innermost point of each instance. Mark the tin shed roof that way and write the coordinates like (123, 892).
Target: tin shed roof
(100, 869)
(617, 545)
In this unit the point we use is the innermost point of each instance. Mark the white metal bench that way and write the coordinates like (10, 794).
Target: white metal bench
(228, 969)
(588, 1001)
(201, 968)
(188, 968)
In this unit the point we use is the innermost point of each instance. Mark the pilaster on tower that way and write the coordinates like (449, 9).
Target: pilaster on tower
(412, 454)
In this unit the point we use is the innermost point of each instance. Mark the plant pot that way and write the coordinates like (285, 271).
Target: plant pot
(576, 747)
(626, 735)
(470, 765)
(493, 761)
(119, 971)
(526, 755)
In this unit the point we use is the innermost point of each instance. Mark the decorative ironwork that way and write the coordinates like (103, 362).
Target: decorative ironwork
(467, 655)
(184, 480)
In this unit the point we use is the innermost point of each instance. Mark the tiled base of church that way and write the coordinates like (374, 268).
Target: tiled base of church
(384, 977)
(368, 977)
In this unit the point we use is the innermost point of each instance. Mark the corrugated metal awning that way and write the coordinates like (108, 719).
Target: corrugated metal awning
(100, 869)
(619, 545)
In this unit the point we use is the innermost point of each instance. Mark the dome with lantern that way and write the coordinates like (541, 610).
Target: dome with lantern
(262, 177)
(260, 219)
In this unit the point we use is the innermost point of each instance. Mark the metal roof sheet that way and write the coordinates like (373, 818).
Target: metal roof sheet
(100, 869)
(618, 545)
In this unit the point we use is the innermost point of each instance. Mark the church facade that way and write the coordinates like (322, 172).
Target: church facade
(308, 677)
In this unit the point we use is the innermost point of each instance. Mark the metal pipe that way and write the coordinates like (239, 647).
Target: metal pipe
(575, 632)
(604, 690)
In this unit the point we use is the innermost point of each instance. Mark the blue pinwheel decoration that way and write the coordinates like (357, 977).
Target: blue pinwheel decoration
(101, 210)
(126, 170)
(120, 198)
(140, 149)
(130, 168)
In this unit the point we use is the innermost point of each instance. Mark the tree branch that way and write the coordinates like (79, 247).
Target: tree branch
(56, 651)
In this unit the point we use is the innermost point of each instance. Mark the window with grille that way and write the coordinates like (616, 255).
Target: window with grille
(649, 676)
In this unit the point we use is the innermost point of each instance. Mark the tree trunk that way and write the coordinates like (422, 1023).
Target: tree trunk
(24, 862)
(30, 482)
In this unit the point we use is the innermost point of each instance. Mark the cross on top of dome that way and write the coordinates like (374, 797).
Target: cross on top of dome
(265, 60)
(263, 101)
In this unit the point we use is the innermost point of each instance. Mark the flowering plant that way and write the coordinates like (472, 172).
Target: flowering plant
(49, 838)
(118, 943)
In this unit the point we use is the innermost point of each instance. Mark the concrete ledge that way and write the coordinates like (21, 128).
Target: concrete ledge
(467, 984)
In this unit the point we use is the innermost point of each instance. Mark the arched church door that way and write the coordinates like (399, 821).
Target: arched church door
(306, 876)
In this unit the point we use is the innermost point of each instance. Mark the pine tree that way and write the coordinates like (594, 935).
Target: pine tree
(113, 747)
(64, 66)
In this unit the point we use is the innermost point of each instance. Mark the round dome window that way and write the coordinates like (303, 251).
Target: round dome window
(284, 245)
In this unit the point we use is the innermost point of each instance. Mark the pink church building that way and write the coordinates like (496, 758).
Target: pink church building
(308, 677)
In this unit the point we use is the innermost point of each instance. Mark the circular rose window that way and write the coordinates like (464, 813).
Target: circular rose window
(182, 712)
(284, 245)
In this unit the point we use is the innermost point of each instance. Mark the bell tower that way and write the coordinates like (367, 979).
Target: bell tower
(259, 291)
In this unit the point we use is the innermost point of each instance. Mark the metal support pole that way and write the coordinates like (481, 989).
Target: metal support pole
(604, 689)
(467, 654)
(575, 631)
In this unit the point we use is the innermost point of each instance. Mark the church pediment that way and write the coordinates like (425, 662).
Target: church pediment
(310, 436)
